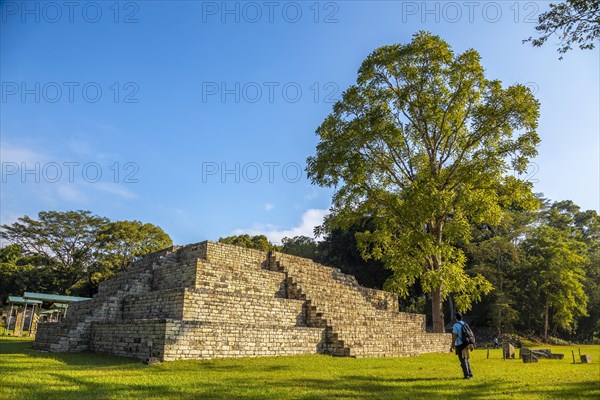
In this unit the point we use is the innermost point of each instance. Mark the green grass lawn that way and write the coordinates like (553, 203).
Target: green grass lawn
(28, 374)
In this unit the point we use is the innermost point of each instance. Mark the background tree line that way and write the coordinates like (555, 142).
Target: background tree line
(71, 252)
(543, 265)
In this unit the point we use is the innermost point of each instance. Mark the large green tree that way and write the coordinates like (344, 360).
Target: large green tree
(21, 272)
(124, 241)
(422, 145)
(69, 239)
(557, 262)
(584, 228)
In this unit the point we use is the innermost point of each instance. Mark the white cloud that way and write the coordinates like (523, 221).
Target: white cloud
(71, 193)
(313, 194)
(20, 154)
(310, 219)
(269, 206)
(113, 188)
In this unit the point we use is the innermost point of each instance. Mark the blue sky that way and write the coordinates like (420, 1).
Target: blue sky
(199, 116)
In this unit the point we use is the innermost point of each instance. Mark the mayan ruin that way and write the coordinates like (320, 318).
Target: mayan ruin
(212, 300)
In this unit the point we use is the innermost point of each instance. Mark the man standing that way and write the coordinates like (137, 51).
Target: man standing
(462, 349)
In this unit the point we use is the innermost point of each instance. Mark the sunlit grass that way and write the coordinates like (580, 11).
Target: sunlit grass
(28, 374)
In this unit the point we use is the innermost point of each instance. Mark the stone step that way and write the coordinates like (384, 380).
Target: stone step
(359, 328)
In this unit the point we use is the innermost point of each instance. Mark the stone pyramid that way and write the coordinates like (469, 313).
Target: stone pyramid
(211, 300)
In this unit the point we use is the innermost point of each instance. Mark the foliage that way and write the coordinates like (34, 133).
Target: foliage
(301, 246)
(557, 264)
(258, 242)
(125, 241)
(498, 260)
(544, 268)
(582, 229)
(577, 22)
(421, 145)
(70, 239)
(340, 249)
(19, 272)
(71, 252)
(588, 326)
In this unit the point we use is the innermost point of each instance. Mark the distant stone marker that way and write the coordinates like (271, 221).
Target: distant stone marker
(508, 350)
(586, 358)
(211, 300)
(528, 355)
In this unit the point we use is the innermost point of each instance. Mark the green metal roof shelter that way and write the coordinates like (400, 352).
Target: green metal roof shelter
(18, 301)
(22, 300)
(57, 298)
(60, 302)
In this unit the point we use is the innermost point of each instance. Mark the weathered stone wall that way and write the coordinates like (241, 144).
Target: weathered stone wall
(217, 307)
(239, 280)
(226, 254)
(167, 303)
(138, 338)
(379, 298)
(200, 340)
(210, 300)
(178, 270)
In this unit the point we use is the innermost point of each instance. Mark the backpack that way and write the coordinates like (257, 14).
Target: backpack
(467, 334)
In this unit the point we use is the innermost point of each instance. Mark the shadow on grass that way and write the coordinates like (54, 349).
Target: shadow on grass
(348, 387)
(356, 387)
(218, 366)
(87, 359)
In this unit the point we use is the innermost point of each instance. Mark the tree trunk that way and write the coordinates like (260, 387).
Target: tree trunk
(437, 311)
(546, 322)
(436, 294)
(499, 327)
(501, 296)
(451, 307)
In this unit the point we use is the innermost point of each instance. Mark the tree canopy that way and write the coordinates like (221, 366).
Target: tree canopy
(68, 240)
(574, 22)
(423, 145)
(301, 246)
(258, 242)
(73, 250)
(124, 241)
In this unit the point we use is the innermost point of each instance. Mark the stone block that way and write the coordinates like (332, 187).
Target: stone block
(529, 358)
(508, 350)
(586, 358)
